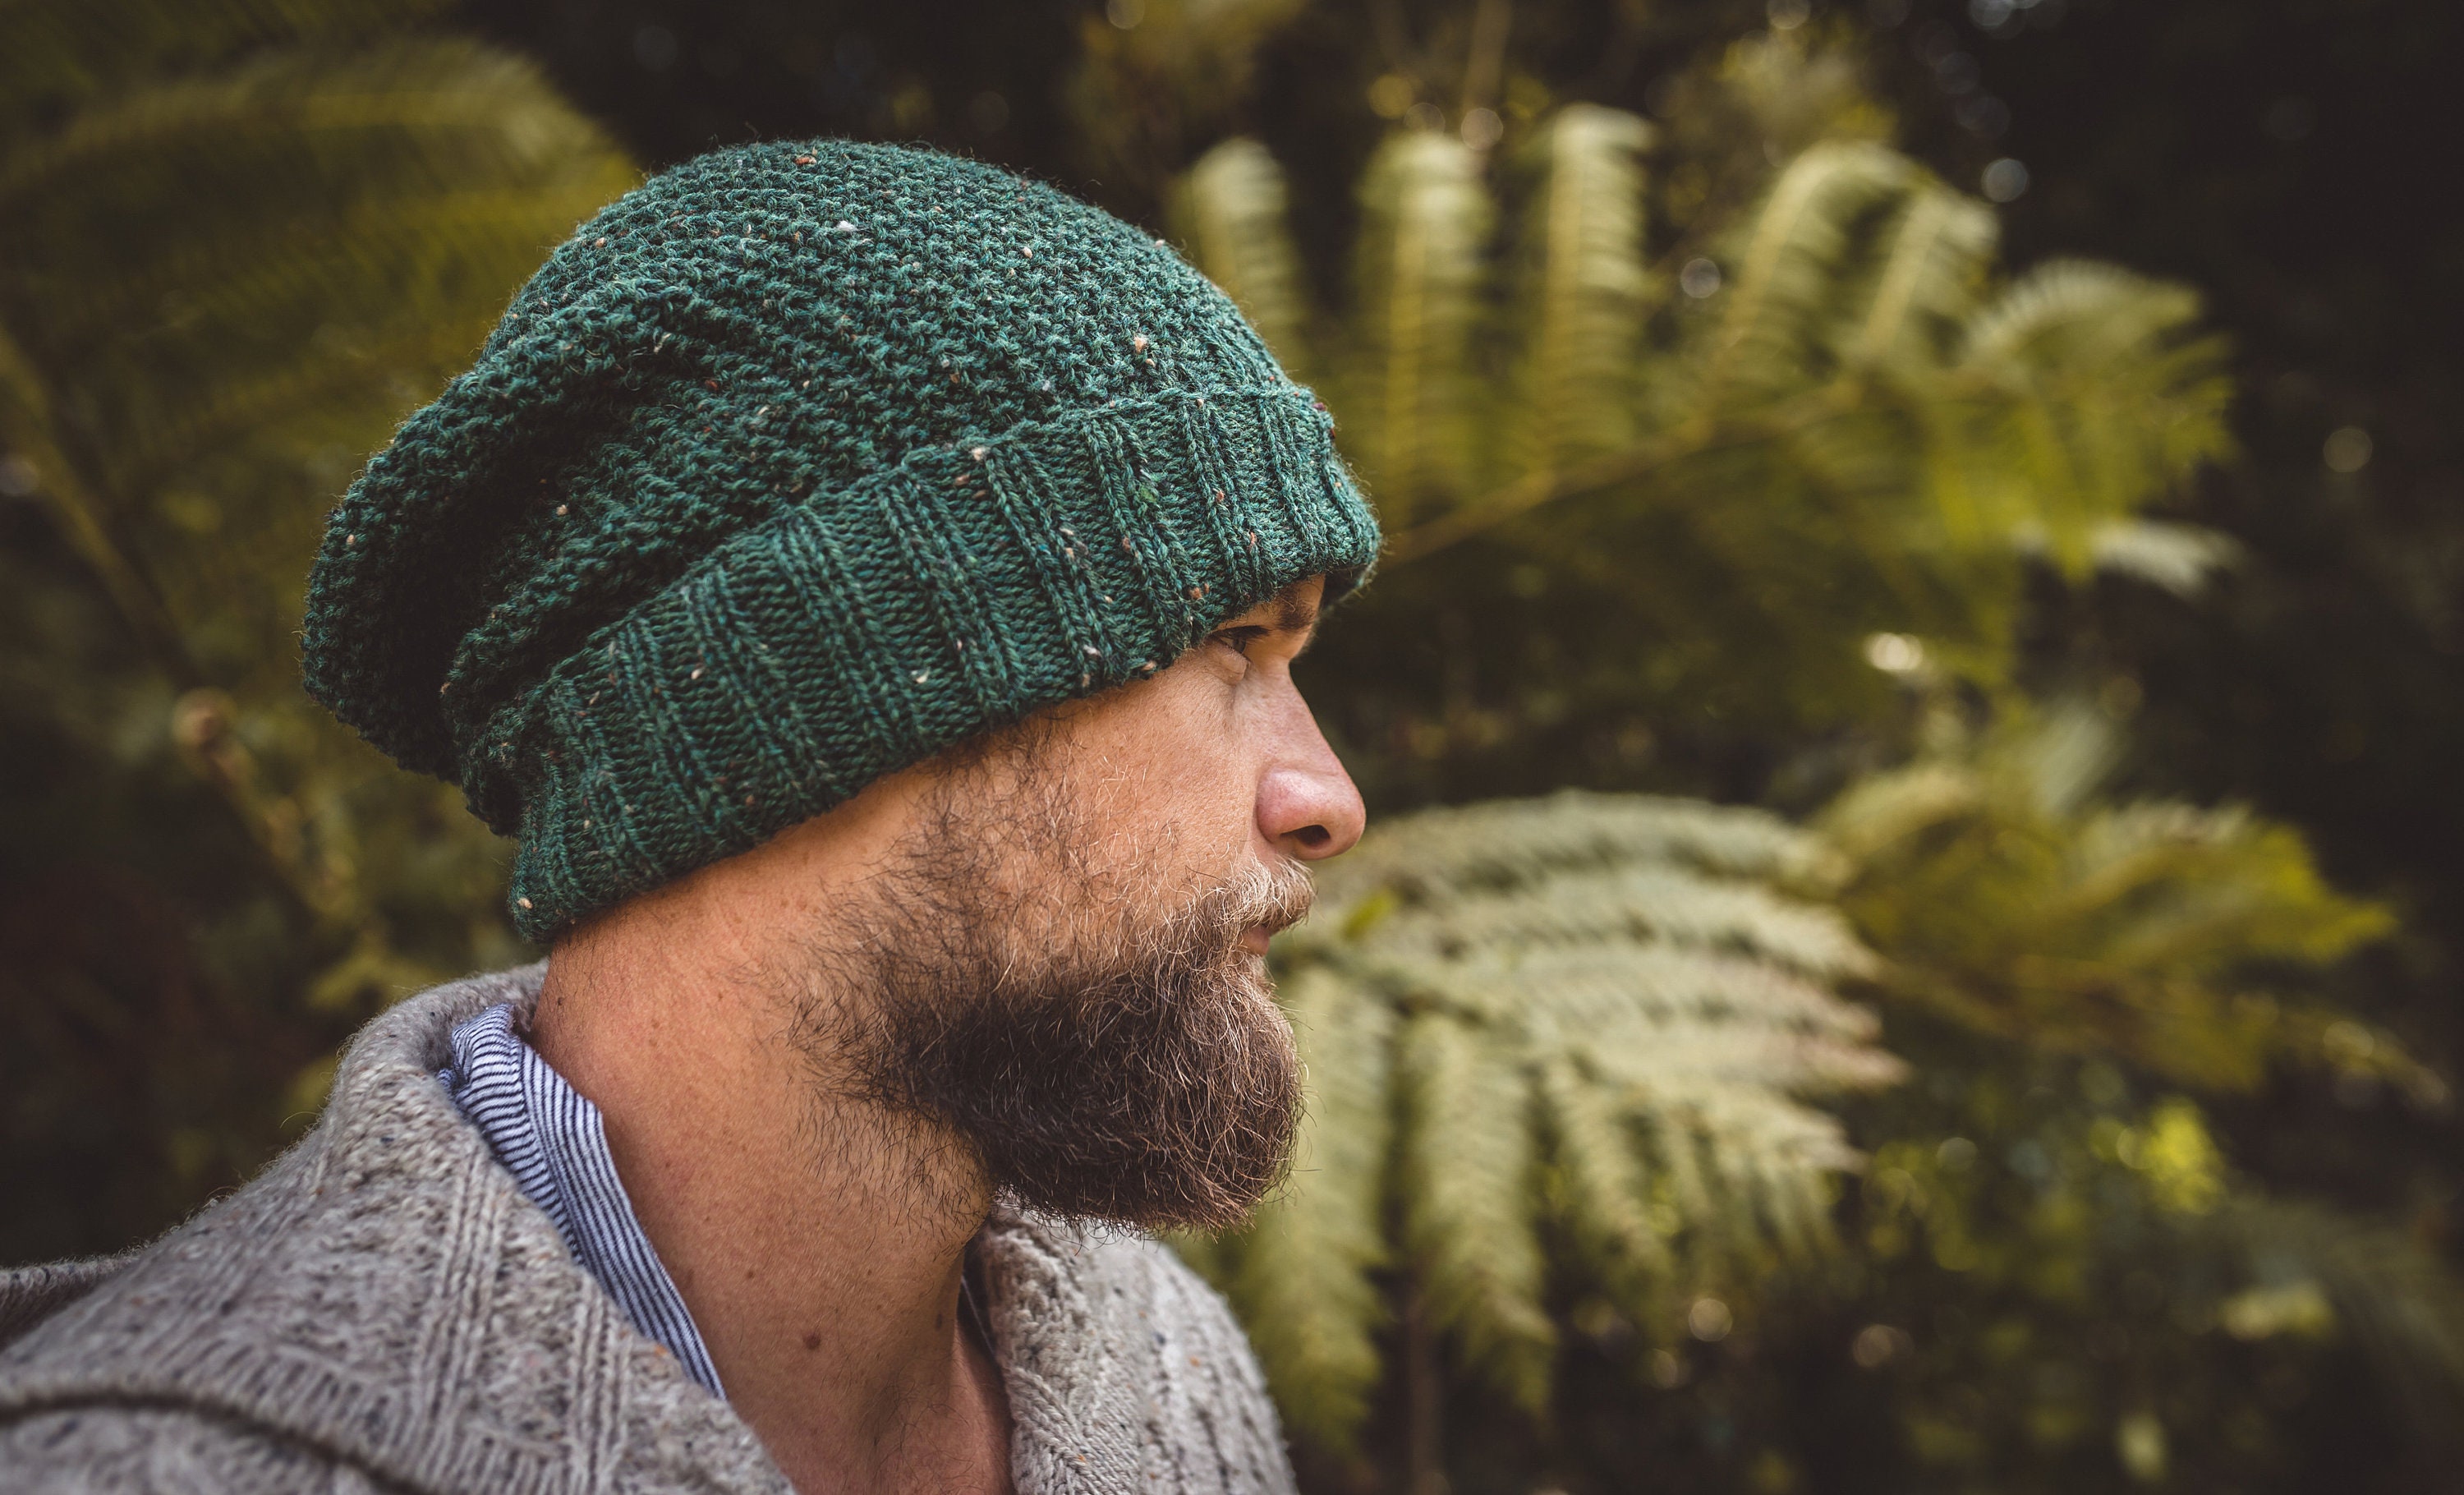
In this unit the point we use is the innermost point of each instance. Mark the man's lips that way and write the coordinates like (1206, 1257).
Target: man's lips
(1255, 939)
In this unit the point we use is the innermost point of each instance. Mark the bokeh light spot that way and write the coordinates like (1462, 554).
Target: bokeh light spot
(2347, 449)
(1709, 1320)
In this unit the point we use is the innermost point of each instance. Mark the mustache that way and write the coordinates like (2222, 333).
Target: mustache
(1270, 895)
(1208, 927)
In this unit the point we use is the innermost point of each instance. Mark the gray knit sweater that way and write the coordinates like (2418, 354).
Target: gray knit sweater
(383, 1309)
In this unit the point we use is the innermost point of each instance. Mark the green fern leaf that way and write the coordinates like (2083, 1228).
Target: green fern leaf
(1467, 1180)
(1594, 1018)
(1229, 211)
(1584, 290)
(2010, 894)
(1420, 267)
(1302, 1272)
(1772, 335)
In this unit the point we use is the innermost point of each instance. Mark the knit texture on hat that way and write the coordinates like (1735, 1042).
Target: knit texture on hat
(797, 465)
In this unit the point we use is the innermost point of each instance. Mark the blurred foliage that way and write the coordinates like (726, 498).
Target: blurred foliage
(1704, 465)
(1722, 457)
(1560, 1204)
(2054, 1243)
(237, 243)
(1721, 432)
(1580, 1027)
(1144, 94)
(2021, 904)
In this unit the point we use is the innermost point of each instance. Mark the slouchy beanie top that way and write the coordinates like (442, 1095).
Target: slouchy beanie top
(797, 465)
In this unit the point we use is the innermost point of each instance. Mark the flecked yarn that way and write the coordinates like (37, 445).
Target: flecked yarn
(384, 1309)
(797, 465)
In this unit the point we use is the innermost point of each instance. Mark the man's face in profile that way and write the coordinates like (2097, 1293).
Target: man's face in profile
(1061, 964)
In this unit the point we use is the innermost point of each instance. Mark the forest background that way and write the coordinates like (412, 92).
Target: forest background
(1960, 486)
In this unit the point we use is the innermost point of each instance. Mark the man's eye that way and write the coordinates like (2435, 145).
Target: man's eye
(1239, 640)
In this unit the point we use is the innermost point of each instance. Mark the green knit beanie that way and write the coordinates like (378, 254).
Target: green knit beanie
(797, 465)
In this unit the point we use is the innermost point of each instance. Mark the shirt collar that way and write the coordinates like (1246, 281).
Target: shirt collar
(553, 1142)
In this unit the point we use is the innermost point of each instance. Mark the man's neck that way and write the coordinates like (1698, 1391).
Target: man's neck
(819, 1247)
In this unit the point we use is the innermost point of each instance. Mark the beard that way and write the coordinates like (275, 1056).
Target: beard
(1100, 1038)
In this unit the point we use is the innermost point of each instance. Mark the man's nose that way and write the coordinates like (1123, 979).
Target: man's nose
(1307, 806)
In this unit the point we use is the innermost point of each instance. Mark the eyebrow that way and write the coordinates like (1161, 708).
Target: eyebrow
(1292, 615)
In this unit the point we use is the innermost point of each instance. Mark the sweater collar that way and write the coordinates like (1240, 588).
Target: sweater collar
(386, 1293)
(553, 1142)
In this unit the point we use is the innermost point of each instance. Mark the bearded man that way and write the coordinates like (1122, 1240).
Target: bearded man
(866, 585)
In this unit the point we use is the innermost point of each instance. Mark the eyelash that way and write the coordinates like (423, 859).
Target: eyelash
(1239, 640)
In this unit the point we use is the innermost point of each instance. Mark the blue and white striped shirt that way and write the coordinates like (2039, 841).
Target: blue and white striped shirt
(555, 1143)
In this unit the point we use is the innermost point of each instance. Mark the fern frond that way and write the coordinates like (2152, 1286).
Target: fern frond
(1758, 1171)
(2110, 393)
(350, 227)
(1639, 903)
(2228, 882)
(2009, 894)
(1425, 224)
(1884, 811)
(1571, 995)
(1583, 287)
(1591, 1017)
(1601, 1190)
(1467, 1180)
(1301, 1279)
(1790, 256)
(1501, 842)
(349, 185)
(1932, 262)
(1230, 211)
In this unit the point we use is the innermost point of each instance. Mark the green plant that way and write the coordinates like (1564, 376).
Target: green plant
(1561, 1051)
(236, 244)
(1719, 455)
(2082, 979)
(2018, 901)
(1685, 469)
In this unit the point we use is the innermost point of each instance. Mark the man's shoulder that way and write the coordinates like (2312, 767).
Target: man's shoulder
(143, 1450)
(1185, 1314)
(153, 1368)
(1210, 1375)
(232, 1335)
(388, 1148)
(32, 1294)
(381, 1299)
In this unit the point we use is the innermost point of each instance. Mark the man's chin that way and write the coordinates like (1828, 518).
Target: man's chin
(1190, 1131)
(1146, 1076)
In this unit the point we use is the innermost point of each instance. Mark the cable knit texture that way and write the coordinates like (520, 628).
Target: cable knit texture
(383, 1309)
(796, 464)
